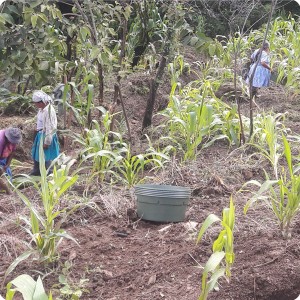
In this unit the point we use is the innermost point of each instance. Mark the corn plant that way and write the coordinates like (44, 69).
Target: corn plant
(267, 137)
(44, 227)
(285, 38)
(28, 287)
(222, 250)
(80, 106)
(98, 146)
(188, 129)
(130, 168)
(175, 69)
(231, 125)
(210, 79)
(161, 155)
(284, 198)
(192, 125)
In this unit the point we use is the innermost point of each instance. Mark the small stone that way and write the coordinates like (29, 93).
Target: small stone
(130, 288)
(247, 174)
(72, 255)
(107, 274)
(152, 279)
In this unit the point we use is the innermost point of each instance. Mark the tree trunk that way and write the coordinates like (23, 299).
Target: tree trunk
(237, 99)
(274, 3)
(101, 83)
(125, 115)
(154, 84)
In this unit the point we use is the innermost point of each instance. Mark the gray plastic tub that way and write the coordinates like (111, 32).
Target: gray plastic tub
(162, 203)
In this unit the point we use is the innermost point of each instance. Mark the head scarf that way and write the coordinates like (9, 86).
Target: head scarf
(14, 135)
(39, 96)
(266, 45)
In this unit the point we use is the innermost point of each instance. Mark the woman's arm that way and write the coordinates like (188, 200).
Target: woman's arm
(265, 65)
(8, 160)
(265, 60)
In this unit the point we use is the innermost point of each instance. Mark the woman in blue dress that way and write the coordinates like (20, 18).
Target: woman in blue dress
(263, 70)
(45, 131)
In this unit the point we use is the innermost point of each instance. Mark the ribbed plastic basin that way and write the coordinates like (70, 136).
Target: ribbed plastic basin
(162, 203)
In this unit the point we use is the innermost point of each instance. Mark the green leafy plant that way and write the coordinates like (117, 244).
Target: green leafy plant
(176, 68)
(99, 147)
(44, 227)
(131, 167)
(36, 44)
(222, 250)
(284, 36)
(160, 154)
(28, 287)
(231, 126)
(12, 103)
(266, 137)
(281, 195)
(192, 125)
(206, 45)
(69, 289)
(111, 156)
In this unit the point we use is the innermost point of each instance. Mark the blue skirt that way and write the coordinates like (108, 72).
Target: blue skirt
(51, 152)
(8, 170)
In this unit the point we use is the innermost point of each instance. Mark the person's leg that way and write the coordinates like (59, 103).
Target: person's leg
(36, 169)
(47, 165)
(35, 155)
(255, 96)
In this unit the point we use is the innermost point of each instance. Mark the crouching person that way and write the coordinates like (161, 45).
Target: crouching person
(45, 131)
(9, 139)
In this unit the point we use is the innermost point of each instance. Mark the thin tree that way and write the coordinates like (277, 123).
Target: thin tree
(118, 99)
(273, 5)
(154, 83)
(245, 9)
(173, 17)
(90, 22)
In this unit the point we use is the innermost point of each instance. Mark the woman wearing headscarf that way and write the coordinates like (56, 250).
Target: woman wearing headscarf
(263, 70)
(46, 131)
(9, 139)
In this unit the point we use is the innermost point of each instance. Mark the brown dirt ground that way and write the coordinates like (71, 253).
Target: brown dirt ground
(125, 258)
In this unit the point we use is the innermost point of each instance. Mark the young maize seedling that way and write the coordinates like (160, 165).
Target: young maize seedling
(222, 248)
(284, 200)
(98, 147)
(130, 168)
(266, 138)
(44, 227)
(28, 287)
